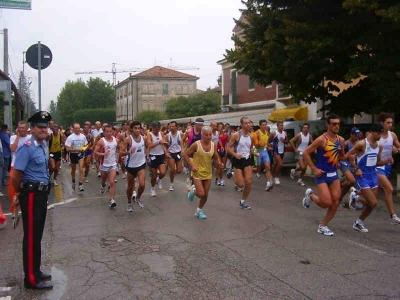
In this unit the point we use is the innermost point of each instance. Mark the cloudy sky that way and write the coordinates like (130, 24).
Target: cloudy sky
(90, 35)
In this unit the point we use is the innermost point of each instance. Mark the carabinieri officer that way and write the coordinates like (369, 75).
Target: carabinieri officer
(31, 183)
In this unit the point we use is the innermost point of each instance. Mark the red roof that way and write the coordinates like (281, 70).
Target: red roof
(161, 72)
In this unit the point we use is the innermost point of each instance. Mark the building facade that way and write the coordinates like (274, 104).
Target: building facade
(151, 90)
(239, 93)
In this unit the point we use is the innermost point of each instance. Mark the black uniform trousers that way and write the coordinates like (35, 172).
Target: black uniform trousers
(34, 208)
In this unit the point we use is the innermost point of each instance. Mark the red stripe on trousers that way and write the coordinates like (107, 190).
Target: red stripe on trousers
(31, 274)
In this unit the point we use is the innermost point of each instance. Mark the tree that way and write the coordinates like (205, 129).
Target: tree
(194, 105)
(53, 112)
(105, 115)
(75, 95)
(101, 94)
(24, 84)
(149, 116)
(311, 46)
(71, 98)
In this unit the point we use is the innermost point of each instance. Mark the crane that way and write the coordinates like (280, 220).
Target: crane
(114, 71)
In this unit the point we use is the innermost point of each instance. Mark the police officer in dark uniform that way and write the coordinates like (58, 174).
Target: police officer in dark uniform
(32, 185)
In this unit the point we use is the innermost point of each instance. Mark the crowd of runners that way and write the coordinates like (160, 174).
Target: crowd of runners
(203, 151)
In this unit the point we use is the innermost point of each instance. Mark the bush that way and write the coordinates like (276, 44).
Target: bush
(104, 115)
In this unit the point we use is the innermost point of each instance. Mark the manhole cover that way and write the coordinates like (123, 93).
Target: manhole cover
(114, 241)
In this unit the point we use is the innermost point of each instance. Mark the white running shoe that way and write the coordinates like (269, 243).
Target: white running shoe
(269, 186)
(258, 175)
(171, 187)
(139, 203)
(113, 203)
(222, 182)
(353, 189)
(292, 173)
(134, 195)
(160, 184)
(98, 174)
(307, 198)
(129, 207)
(277, 182)
(81, 189)
(124, 175)
(325, 230)
(86, 179)
(359, 226)
(301, 182)
(352, 200)
(55, 183)
(394, 220)
(153, 192)
(102, 189)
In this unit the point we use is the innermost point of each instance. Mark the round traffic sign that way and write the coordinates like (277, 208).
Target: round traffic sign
(32, 56)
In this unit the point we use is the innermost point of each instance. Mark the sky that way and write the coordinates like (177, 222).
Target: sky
(90, 35)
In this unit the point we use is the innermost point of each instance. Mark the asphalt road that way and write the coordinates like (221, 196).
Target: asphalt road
(162, 251)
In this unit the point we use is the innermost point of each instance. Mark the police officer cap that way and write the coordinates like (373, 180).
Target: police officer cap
(41, 118)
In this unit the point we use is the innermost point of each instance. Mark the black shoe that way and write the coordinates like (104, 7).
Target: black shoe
(44, 276)
(41, 285)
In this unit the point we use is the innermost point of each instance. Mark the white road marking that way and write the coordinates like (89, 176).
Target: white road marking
(380, 252)
(5, 289)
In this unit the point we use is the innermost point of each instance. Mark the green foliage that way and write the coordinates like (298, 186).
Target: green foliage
(105, 115)
(101, 94)
(149, 116)
(302, 43)
(53, 112)
(76, 95)
(194, 105)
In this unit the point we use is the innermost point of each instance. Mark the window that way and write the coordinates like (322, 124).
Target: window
(251, 84)
(165, 89)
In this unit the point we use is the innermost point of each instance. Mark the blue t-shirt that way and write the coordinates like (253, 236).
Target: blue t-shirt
(31, 158)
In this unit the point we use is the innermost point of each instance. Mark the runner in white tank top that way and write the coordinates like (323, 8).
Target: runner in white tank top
(106, 149)
(158, 151)
(135, 148)
(390, 143)
(241, 148)
(279, 139)
(174, 157)
(305, 139)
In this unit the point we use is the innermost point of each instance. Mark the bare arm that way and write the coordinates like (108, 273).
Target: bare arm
(124, 146)
(319, 142)
(192, 149)
(230, 149)
(98, 147)
(293, 141)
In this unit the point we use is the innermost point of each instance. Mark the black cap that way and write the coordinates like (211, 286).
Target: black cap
(199, 121)
(376, 127)
(41, 118)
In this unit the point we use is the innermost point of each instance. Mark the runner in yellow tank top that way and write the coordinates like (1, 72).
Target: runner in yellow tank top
(55, 140)
(203, 151)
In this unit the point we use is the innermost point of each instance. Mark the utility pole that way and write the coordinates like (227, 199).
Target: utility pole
(7, 94)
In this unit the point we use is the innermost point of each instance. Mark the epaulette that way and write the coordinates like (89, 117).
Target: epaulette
(28, 143)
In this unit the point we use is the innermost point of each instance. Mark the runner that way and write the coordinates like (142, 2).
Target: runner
(390, 144)
(262, 150)
(241, 148)
(135, 147)
(174, 157)
(346, 167)
(191, 136)
(158, 152)
(369, 153)
(120, 139)
(330, 149)
(75, 144)
(302, 139)
(278, 139)
(16, 140)
(221, 149)
(55, 141)
(88, 151)
(203, 152)
(106, 149)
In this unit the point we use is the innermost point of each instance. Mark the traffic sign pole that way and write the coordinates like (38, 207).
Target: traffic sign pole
(40, 74)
